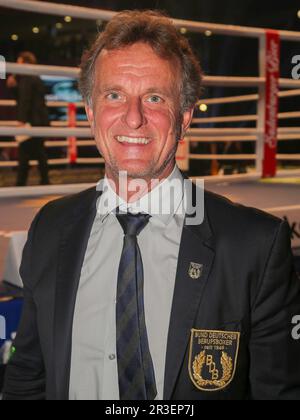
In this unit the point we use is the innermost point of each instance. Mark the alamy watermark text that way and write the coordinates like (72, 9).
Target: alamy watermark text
(2, 328)
(296, 68)
(2, 67)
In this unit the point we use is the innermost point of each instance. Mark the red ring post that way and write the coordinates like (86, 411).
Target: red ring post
(72, 141)
(272, 105)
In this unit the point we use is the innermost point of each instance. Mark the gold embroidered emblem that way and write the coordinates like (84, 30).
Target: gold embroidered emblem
(214, 367)
(195, 271)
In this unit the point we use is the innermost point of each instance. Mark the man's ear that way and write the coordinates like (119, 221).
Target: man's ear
(90, 115)
(186, 121)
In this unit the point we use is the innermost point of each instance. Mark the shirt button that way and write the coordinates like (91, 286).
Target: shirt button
(112, 357)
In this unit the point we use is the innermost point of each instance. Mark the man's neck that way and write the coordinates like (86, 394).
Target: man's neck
(132, 189)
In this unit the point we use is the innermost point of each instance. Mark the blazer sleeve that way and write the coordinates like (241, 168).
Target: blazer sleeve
(274, 354)
(25, 373)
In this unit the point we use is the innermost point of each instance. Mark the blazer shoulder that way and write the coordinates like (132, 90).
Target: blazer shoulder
(224, 215)
(64, 209)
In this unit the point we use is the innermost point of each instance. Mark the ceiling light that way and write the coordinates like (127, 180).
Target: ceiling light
(59, 25)
(208, 33)
(14, 37)
(68, 19)
(36, 30)
(183, 31)
(203, 108)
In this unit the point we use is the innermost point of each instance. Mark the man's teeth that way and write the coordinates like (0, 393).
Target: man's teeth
(124, 139)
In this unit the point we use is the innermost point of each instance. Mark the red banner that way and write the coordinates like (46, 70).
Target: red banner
(72, 141)
(272, 90)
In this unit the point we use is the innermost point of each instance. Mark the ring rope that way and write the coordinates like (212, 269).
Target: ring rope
(74, 72)
(224, 81)
(94, 14)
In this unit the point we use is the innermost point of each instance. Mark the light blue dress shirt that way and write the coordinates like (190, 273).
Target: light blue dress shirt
(94, 372)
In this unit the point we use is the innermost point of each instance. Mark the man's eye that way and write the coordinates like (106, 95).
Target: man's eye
(113, 96)
(154, 99)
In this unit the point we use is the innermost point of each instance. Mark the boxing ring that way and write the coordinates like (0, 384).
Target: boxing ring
(280, 197)
(287, 88)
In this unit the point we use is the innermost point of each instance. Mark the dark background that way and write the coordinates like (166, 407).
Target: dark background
(219, 55)
(230, 54)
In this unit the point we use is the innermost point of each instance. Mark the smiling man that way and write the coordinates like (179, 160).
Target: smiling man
(123, 302)
(135, 112)
(141, 89)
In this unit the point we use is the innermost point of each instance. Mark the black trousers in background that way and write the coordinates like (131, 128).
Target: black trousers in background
(32, 149)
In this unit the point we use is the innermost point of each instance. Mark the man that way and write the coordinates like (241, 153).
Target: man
(122, 302)
(31, 109)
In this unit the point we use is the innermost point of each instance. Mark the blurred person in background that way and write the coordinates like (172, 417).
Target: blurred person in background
(31, 109)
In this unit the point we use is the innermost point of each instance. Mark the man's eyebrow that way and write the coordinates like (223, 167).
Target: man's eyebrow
(163, 91)
(154, 89)
(107, 88)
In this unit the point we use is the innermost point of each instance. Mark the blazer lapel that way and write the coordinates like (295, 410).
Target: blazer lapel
(74, 240)
(196, 247)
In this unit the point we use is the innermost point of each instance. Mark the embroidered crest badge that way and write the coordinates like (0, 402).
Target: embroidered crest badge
(213, 358)
(195, 271)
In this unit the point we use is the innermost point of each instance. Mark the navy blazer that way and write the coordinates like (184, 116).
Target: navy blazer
(236, 293)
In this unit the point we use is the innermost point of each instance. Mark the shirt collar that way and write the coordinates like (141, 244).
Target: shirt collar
(163, 202)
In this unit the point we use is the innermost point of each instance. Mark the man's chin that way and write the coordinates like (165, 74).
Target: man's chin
(135, 170)
(138, 174)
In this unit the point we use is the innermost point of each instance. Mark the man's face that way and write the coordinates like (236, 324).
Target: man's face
(135, 115)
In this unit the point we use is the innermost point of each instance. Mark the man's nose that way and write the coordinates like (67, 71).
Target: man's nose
(134, 117)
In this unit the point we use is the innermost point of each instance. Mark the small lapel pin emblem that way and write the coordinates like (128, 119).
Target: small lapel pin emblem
(195, 271)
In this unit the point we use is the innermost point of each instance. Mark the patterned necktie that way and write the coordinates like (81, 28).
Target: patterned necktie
(135, 367)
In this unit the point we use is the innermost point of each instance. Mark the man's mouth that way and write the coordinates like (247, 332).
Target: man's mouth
(133, 140)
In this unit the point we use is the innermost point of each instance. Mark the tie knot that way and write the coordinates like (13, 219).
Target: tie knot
(133, 224)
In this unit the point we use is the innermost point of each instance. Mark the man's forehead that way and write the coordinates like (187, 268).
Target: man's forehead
(136, 62)
(139, 56)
